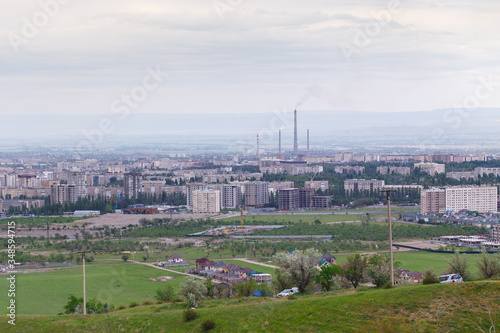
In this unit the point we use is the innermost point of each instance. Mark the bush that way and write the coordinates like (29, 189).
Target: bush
(388, 285)
(189, 315)
(122, 307)
(165, 295)
(489, 265)
(291, 297)
(459, 264)
(430, 279)
(207, 325)
(147, 303)
(133, 305)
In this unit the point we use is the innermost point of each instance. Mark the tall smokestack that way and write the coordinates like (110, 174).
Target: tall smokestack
(279, 149)
(295, 144)
(258, 152)
(307, 142)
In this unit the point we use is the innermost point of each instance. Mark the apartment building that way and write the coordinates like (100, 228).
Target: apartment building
(288, 199)
(63, 193)
(132, 184)
(206, 202)
(317, 185)
(256, 194)
(352, 185)
(482, 199)
(431, 168)
(386, 170)
(495, 233)
(231, 196)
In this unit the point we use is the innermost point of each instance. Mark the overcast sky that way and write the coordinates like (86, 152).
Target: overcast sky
(231, 56)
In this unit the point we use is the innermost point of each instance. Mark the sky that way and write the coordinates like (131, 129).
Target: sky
(79, 57)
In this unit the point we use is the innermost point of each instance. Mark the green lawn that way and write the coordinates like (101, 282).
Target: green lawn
(47, 293)
(295, 218)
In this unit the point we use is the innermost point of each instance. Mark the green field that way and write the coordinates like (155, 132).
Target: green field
(120, 284)
(464, 307)
(295, 218)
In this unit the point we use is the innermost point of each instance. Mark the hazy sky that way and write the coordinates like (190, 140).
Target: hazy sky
(230, 56)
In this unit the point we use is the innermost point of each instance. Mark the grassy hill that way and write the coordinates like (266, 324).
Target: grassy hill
(465, 307)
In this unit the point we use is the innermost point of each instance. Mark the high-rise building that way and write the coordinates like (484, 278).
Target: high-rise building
(482, 199)
(190, 188)
(132, 184)
(79, 180)
(63, 193)
(256, 194)
(288, 199)
(231, 196)
(206, 202)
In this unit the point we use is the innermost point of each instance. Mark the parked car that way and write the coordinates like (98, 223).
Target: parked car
(447, 278)
(288, 292)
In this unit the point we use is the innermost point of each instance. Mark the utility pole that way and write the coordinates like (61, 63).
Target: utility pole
(84, 293)
(388, 196)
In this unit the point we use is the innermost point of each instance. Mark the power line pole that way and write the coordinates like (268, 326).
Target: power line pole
(388, 196)
(84, 293)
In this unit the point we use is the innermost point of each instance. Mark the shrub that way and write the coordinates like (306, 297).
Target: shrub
(430, 279)
(388, 285)
(122, 307)
(147, 303)
(165, 295)
(291, 297)
(207, 325)
(133, 305)
(189, 315)
(489, 265)
(459, 264)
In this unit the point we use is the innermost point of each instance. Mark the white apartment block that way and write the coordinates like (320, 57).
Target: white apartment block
(439, 200)
(316, 185)
(352, 185)
(480, 199)
(431, 168)
(206, 202)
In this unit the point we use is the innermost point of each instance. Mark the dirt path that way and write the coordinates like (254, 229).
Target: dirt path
(169, 270)
(251, 262)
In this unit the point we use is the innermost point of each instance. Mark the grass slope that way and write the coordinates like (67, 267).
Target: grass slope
(437, 308)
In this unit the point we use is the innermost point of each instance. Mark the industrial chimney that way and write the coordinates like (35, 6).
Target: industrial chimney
(295, 144)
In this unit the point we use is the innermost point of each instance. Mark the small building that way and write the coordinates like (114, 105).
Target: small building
(328, 258)
(175, 258)
(261, 278)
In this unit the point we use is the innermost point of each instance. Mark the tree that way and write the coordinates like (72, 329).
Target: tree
(194, 291)
(488, 264)
(75, 306)
(165, 295)
(355, 269)
(246, 289)
(459, 264)
(125, 257)
(210, 287)
(299, 267)
(326, 274)
(379, 269)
